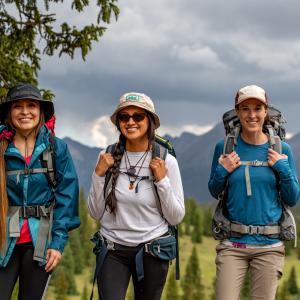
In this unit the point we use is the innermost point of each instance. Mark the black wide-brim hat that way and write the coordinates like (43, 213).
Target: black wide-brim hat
(25, 91)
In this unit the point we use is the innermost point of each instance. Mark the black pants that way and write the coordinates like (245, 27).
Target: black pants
(32, 278)
(119, 266)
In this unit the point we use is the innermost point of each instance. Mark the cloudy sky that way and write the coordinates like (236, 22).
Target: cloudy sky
(189, 56)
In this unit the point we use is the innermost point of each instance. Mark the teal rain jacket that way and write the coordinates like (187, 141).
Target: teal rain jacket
(34, 189)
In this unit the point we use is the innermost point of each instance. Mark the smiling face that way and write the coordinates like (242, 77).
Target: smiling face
(25, 115)
(134, 128)
(252, 114)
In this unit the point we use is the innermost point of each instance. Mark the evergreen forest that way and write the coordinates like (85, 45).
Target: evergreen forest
(72, 279)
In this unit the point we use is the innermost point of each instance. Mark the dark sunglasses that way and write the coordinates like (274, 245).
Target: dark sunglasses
(136, 117)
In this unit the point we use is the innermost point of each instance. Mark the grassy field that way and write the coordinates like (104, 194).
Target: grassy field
(206, 253)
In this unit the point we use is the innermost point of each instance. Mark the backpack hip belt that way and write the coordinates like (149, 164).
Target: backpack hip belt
(45, 214)
(163, 247)
(253, 229)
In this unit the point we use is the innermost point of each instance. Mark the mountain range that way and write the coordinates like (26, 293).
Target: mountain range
(194, 155)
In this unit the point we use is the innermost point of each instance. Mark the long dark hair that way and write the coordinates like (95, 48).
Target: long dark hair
(111, 200)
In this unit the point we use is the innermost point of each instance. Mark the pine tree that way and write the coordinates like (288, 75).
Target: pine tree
(172, 288)
(197, 228)
(69, 267)
(77, 251)
(26, 25)
(191, 206)
(60, 283)
(191, 284)
(207, 220)
(292, 282)
(86, 230)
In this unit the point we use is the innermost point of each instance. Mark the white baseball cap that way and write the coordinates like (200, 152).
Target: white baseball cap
(138, 100)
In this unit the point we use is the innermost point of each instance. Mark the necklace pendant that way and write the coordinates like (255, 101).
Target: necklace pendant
(131, 185)
(131, 170)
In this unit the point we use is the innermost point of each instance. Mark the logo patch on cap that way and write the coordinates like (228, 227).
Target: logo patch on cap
(133, 97)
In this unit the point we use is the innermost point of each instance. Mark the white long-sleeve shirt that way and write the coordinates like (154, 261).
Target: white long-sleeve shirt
(138, 219)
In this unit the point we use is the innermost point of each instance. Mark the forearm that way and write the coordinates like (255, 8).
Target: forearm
(289, 185)
(95, 200)
(217, 181)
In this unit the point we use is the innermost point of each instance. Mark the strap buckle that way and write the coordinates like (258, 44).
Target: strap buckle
(28, 171)
(147, 250)
(30, 211)
(257, 163)
(252, 229)
(110, 245)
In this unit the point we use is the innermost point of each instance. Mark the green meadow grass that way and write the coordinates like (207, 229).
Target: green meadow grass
(206, 253)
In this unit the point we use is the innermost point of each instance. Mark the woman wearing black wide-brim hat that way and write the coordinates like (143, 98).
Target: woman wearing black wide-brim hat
(38, 193)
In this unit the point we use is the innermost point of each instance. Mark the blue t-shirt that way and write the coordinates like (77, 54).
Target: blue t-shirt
(263, 207)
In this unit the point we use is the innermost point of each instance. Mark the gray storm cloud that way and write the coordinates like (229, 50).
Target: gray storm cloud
(189, 56)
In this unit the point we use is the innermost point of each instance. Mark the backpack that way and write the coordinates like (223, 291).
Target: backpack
(44, 213)
(222, 227)
(160, 148)
(165, 248)
(275, 129)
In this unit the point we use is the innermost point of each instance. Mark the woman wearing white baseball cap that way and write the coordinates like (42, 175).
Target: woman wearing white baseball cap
(126, 183)
(255, 180)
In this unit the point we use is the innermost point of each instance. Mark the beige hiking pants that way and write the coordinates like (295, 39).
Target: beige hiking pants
(265, 266)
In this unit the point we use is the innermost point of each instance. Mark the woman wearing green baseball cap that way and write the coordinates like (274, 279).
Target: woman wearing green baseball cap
(135, 194)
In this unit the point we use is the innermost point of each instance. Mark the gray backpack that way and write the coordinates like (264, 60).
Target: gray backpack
(222, 227)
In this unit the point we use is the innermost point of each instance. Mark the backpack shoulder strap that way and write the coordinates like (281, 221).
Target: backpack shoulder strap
(48, 162)
(165, 143)
(231, 139)
(111, 148)
(274, 139)
(159, 151)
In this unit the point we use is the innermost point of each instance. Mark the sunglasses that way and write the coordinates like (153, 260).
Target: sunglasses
(136, 117)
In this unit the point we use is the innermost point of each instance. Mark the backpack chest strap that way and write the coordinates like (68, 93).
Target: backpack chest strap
(25, 172)
(247, 164)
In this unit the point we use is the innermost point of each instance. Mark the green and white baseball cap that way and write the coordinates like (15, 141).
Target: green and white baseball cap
(138, 100)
